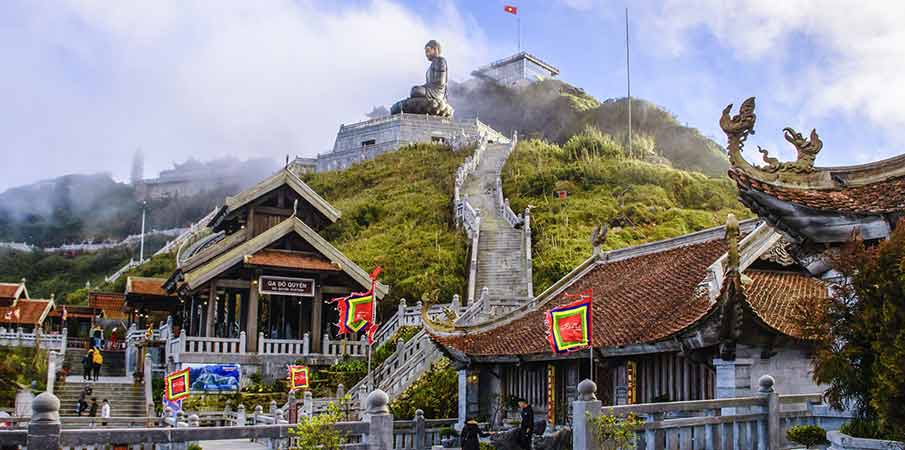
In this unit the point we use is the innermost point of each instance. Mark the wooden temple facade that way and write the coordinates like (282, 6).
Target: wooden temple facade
(254, 287)
(700, 316)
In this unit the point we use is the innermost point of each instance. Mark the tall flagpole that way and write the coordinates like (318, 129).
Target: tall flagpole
(519, 20)
(628, 81)
(373, 324)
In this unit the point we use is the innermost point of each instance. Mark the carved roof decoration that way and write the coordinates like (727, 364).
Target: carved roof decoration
(779, 254)
(806, 202)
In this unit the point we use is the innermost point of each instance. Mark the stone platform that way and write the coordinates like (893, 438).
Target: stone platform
(365, 140)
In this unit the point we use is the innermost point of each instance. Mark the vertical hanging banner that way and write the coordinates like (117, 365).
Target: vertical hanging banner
(569, 326)
(299, 377)
(177, 385)
(551, 393)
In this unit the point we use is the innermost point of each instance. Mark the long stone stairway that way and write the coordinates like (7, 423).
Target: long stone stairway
(501, 252)
(126, 399)
(114, 362)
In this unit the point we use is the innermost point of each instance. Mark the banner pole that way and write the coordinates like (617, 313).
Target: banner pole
(373, 324)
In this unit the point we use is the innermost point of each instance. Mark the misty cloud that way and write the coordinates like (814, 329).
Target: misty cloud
(85, 83)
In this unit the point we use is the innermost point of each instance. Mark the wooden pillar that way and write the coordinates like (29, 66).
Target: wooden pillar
(251, 320)
(316, 319)
(211, 309)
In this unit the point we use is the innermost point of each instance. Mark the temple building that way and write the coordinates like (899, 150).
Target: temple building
(700, 316)
(254, 287)
(516, 70)
(19, 311)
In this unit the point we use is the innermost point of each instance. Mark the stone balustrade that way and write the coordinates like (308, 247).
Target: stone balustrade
(19, 338)
(756, 422)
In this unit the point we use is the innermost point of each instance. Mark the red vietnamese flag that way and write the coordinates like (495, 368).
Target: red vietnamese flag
(510, 9)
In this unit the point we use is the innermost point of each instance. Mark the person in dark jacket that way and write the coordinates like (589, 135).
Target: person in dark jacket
(471, 435)
(87, 364)
(526, 429)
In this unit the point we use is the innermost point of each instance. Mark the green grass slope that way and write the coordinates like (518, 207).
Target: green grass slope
(640, 201)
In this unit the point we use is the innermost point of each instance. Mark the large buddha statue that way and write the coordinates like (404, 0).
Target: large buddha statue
(429, 98)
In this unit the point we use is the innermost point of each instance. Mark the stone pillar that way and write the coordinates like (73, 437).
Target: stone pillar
(733, 379)
(148, 381)
(51, 370)
(308, 404)
(420, 434)
(774, 426)
(211, 310)
(240, 416)
(463, 397)
(24, 402)
(621, 385)
(251, 322)
(44, 427)
(380, 430)
(584, 407)
(494, 396)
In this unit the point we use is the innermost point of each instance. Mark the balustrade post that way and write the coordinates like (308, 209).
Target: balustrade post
(340, 391)
(51, 370)
(308, 404)
(380, 429)
(401, 312)
(261, 346)
(64, 345)
(420, 434)
(273, 408)
(363, 400)
(456, 304)
(774, 428)
(148, 374)
(586, 407)
(240, 416)
(44, 427)
(326, 345)
(293, 408)
(259, 411)
(306, 343)
(242, 342)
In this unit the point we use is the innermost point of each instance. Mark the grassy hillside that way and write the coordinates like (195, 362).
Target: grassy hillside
(397, 213)
(555, 111)
(640, 201)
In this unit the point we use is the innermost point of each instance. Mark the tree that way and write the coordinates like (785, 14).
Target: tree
(318, 432)
(860, 332)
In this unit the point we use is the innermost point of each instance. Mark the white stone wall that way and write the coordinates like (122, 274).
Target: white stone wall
(791, 368)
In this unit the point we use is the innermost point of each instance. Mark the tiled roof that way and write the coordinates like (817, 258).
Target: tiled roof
(636, 300)
(774, 295)
(880, 197)
(291, 260)
(146, 286)
(31, 312)
(8, 290)
(108, 301)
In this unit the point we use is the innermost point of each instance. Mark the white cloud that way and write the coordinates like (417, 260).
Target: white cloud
(857, 56)
(96, 79)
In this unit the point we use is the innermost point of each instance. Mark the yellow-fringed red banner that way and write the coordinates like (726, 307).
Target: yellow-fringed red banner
(177, 385)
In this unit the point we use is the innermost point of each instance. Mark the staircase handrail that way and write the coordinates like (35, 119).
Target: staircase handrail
(528, 261)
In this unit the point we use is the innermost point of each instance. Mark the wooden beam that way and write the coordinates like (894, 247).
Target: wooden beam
(236, 284)
(273, 211)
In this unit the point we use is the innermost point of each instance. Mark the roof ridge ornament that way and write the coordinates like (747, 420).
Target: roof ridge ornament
(738, 127)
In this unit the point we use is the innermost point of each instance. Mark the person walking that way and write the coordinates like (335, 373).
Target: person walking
(87, 364)
(105, 412)
(526, 429)
(97, 360)
(471, 435)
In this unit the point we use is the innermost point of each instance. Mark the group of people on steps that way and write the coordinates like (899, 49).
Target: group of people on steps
(91, 363)
(83, 407)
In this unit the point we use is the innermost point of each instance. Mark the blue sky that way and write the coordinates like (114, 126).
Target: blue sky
(85, 83)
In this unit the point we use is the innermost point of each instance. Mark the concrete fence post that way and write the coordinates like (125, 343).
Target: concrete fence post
(293, 408)
(774, 427)
(420, 432)
(308, 404)
(363, 400)
(340, 392)
(148, 380)
(380, 429)
(326, 345)
(306, 343)
(259, 411)
(64, 345)
(261, 342)
(273, 408)
(242, 343)
(586, 407)
(44, 427)
(240, 416)
(51, 370)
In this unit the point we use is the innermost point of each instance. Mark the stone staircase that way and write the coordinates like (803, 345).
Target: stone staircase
(501, 246)
(126, 399)
(114, 362)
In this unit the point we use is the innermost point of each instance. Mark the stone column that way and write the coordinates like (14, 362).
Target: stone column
(774, 426)
(251, 322)
(584, 407)
(463, 397)
(621, 385)
(148, 374)
(44, 427)
(733, 379)
(380, 429)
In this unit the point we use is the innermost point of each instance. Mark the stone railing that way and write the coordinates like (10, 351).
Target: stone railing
(19, 338)
(459, 200)
(528, 259)
(502, 204)
(339, 347)
(45, 430)
(485, 308)
(284, 346)
(208, 345)
(757, 422)
(410, 360)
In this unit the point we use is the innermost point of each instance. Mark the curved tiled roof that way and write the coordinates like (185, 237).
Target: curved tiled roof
(773, 296)
(640, 299)
(880, 197)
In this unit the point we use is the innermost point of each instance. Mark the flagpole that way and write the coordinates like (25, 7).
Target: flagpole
(519, 20)
(628, 82)
(373, 324)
